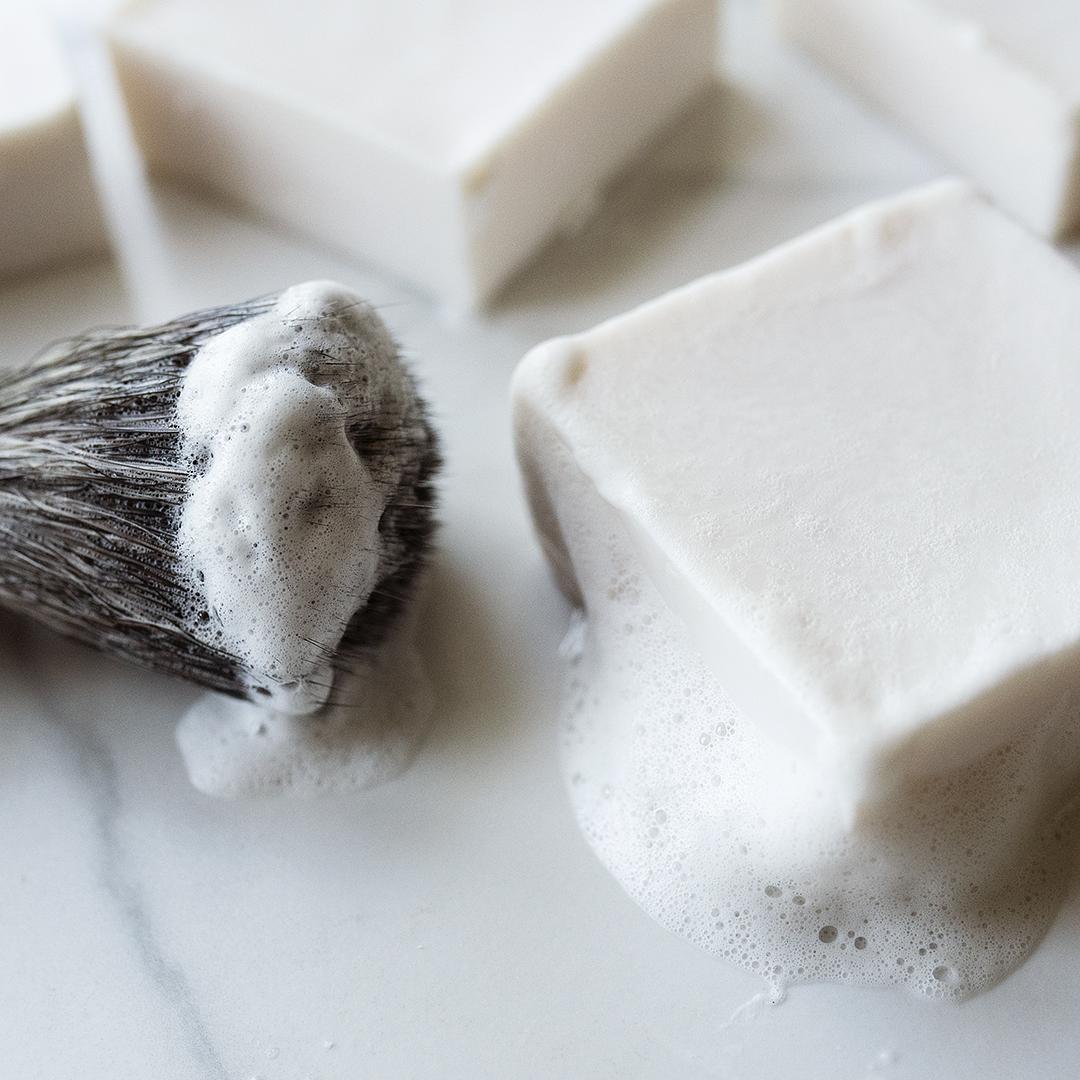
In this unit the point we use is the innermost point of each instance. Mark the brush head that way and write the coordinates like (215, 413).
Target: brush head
(242, 497)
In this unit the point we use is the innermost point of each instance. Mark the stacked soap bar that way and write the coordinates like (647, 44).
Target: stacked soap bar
(445, 141)
(993, 84)
(48, 210)
(851, 468)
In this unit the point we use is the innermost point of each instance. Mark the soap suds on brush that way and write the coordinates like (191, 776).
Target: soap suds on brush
(732, 842)
(280, 530)
(297, 430)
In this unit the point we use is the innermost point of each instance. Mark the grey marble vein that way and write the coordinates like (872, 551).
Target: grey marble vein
(120, 882)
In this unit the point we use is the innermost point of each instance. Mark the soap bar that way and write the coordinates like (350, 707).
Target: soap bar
(994, 85)
(48, 210)
(445, 141)
(850, 467)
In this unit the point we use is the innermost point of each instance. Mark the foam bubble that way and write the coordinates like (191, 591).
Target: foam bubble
(728, 839)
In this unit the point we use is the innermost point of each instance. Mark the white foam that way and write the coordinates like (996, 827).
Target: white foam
(369, 734)
(730, 840)
(280, 545)
(279, 534)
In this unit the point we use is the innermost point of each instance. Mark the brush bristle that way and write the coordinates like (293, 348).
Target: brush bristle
(93, 481)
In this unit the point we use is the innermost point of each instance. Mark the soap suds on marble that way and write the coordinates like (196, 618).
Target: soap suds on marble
(368, 734)
(732, 842)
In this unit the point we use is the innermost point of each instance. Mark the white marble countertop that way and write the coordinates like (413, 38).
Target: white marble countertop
(451, 924)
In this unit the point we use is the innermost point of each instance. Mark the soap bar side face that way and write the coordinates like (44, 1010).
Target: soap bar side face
(601, 118)
(1011, 124)
(302, 169)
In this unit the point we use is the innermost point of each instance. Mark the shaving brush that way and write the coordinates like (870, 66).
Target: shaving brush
(242, 497)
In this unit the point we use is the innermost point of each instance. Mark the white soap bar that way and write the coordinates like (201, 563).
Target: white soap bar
(852, 469)
(48, 210)
(994, 85)
(445, 141)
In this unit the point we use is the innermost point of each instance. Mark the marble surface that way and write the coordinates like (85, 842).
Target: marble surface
(453, 923)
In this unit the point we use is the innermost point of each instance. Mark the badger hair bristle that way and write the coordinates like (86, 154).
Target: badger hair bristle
(93, 482)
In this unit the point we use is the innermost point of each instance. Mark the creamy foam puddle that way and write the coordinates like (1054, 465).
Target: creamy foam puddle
(369, 732)
(732, 842)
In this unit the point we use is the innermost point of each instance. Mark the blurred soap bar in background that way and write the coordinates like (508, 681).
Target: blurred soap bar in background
(443, 139)
(994, 85)
(48, 208)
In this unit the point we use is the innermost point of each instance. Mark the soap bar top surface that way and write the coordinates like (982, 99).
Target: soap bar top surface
(861, 453)
(1042, 36)
(443, 80)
